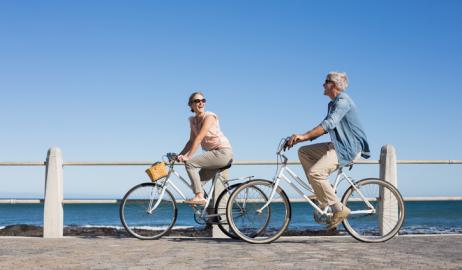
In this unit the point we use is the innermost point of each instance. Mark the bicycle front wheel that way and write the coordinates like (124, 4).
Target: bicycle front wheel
(252, 218)
(377, 210)
(147, 212)
(220, 211)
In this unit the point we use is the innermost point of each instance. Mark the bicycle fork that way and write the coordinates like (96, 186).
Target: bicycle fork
(273, 191)
(151, 208)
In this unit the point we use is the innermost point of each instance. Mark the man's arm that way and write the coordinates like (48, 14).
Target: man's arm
(333, 118)
(316, 132)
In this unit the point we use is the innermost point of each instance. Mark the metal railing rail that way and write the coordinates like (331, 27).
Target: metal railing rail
(116, 201)
(237, 162)
(23, 164)
(252, 162)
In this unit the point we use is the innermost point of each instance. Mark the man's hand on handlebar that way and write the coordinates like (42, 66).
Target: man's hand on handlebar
(294, 139)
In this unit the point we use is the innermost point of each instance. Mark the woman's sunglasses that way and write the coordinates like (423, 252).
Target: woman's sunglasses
(200, 100)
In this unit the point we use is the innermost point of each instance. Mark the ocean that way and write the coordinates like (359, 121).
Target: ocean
(435, 217)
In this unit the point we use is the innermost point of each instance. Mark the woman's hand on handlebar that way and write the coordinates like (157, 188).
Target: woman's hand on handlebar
(172, 157)
(183, 158)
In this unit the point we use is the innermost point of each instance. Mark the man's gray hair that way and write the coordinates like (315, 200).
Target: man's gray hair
(339, 78)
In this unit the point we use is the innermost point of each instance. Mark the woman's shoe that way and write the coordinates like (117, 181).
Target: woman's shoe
(196, 201)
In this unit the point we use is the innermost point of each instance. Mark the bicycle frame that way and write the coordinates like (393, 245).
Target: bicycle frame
(168, 182)
(281, 176)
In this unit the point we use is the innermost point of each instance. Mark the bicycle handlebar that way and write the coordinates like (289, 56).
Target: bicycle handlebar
(283, 145)
(172, 157)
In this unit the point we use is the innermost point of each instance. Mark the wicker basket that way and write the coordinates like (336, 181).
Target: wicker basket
(157, 171)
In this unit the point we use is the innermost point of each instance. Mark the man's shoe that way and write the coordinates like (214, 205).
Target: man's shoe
(338, 217)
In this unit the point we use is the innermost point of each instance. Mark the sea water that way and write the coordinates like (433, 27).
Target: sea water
(420, 217)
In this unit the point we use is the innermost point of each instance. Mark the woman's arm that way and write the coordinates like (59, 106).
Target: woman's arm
(196, 141)
(187, 147)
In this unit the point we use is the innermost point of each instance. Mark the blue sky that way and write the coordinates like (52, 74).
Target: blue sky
(109, 81)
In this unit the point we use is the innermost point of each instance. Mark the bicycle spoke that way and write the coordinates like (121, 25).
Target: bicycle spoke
(386, 219)
(249, 220)
(148, 213)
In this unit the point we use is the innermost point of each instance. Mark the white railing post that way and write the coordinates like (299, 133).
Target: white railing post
(216, 232)
(388, 210)
(53, 217)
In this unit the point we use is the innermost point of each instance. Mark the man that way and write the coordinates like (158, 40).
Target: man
(348, 140)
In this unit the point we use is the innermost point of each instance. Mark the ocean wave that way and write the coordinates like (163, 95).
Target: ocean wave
(122, 228)
(429, 230)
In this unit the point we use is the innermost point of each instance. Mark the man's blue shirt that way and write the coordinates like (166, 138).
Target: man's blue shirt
(345, 130)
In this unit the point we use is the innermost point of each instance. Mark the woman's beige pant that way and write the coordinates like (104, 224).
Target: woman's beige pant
(205, 166)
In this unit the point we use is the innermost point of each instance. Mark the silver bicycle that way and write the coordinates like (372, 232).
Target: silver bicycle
(377, 207)
(149, 210)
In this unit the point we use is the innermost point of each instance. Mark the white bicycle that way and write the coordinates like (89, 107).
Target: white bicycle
(149, 210)
(377, 207)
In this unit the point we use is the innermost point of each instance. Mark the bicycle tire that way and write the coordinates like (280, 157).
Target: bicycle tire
(388, 215)
(220, 212)
(138, 221)
(236, 212)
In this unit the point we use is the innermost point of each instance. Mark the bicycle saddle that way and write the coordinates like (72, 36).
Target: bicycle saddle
(227, 166)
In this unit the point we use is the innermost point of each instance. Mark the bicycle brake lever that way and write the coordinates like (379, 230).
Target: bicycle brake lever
(286, 144)
(172, 156)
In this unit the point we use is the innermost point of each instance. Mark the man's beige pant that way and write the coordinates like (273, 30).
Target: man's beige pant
(319, 161)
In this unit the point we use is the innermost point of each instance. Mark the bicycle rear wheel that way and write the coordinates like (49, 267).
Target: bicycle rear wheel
(140, 218)
(249, 220)
(377, 210)
(220, 212)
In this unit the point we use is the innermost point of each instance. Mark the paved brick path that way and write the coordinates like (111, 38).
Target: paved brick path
(404, 252)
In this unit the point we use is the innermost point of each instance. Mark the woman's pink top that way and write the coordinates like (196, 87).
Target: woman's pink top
(214, 138)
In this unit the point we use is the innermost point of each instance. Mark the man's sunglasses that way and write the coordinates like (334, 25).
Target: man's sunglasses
(328, 81)
(200, 100)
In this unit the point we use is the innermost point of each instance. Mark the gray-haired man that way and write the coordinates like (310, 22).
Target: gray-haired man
(348, 140)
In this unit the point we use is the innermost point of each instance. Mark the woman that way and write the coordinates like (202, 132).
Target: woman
(205, 131)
